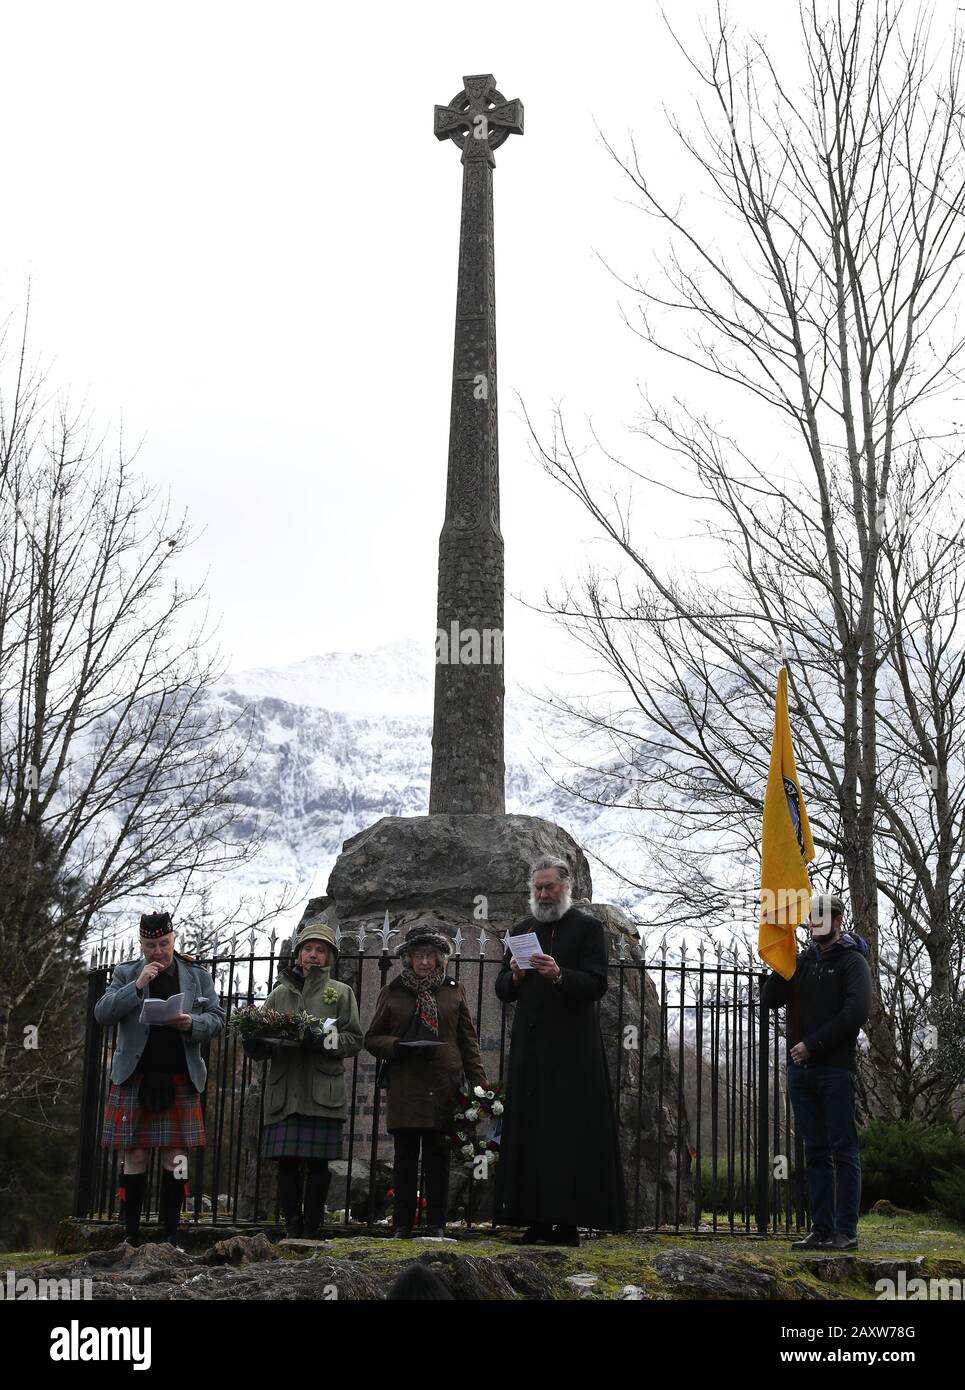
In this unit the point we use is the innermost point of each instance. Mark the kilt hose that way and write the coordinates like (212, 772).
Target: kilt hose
(128, 1126)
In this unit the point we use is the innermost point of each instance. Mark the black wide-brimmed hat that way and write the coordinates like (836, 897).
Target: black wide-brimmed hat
(155, 924)
(425, 933)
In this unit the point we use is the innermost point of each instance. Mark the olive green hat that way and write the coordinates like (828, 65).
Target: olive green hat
(317, 929)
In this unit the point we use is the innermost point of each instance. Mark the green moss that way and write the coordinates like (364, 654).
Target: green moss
(617, 1261)
(22, 1259)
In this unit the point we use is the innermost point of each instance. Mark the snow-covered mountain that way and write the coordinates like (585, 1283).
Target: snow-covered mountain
(344, 738)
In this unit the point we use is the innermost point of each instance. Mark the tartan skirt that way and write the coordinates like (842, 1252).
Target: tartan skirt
(128, 1126)
(303, 1136)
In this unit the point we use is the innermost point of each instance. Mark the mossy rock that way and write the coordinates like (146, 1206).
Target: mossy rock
(885, 1208)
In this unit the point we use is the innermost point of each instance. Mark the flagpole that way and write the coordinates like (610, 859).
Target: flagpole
(795, 996)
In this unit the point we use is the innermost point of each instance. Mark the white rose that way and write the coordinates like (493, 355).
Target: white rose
(478, 1091)
(467, 1149)
(472, 1114)
(490, 1094)
(497, 1107)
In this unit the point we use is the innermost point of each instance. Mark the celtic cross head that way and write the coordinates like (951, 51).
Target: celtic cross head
(478, 119)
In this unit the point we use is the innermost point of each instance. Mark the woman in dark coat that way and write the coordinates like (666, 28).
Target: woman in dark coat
(559, 1157)
(423, 1029)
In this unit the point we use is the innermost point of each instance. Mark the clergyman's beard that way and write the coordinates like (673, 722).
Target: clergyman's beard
(550, 912)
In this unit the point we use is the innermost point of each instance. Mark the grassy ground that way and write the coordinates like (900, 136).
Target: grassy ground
(22, 1259)
(908, 1234)
(618, 1261)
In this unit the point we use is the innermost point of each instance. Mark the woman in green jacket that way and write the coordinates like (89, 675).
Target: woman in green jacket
(305, 1103)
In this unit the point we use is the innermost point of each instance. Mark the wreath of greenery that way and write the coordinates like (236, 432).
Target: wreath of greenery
(298, 1028)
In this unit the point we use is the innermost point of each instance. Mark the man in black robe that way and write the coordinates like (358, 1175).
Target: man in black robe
(559, 1157)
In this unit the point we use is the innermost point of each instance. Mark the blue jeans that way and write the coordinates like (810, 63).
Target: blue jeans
(822, 1099)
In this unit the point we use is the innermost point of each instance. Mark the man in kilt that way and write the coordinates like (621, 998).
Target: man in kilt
(157, 1073)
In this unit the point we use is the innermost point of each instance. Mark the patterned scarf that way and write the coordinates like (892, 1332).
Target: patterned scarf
(424, 990)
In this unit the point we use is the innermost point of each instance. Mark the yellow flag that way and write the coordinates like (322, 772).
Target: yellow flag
(786, 848)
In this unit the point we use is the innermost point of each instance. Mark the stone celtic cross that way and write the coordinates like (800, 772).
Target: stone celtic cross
(472, 112)
(468, 775)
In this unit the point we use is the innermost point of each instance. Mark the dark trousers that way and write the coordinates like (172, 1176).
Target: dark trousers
(316, 1181)
(435, 1163)
(822, 1099)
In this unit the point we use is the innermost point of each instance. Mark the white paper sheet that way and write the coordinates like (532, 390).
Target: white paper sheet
(524, 947)
(161, 1010)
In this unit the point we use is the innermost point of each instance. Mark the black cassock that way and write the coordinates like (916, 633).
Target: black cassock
(559, 1158)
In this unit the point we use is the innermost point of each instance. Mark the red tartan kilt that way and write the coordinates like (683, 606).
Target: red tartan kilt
(128, 1126)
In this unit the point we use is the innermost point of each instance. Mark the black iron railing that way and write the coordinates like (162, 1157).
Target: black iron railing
(696, 1069)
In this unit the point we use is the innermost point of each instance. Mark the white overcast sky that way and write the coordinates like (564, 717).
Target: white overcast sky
(241, 237)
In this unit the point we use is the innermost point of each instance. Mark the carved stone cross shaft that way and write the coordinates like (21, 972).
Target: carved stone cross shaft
(468, 774)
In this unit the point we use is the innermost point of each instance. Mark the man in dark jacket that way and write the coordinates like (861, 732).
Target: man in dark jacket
(559, 1158)
(828, 999)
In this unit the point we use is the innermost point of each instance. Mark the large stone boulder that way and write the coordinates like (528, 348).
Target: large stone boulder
(359, 1188)
(417, 863)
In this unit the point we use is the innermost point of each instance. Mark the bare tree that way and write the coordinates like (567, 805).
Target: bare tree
(834, 528)
(117, 771)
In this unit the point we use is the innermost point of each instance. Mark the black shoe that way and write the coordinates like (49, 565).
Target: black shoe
(435, 1231)
(817, 1240)
(565, 1235)
(402, 1233)
(534, 1235)
(839, 1241)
